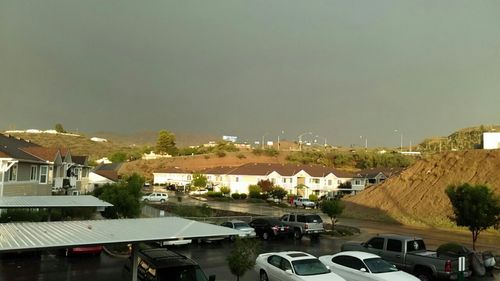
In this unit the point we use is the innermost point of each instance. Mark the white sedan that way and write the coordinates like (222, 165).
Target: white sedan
(361, 266)
(292, 266)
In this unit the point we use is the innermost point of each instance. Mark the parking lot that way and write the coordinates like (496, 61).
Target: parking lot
(211, 257)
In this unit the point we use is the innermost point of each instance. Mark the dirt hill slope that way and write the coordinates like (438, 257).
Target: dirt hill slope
(418, 194)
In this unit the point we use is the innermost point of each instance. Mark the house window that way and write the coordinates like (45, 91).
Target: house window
(329, 182)
(189, 177)
(237, 179)
(12, 173)
(273, 181)
(339, 181)
(34, 173)
(284, 180)
(44, 170)
(85, 172)
(314, 180)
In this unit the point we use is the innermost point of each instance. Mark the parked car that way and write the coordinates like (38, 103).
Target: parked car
(408, 253)
(362, 266)
(304, 224)
(304, 203)
(198, 192)
(84, 250)
(246, 231)
(268, 228)
(161, 264)
(178, 242)
(155, 197)
(293, 266)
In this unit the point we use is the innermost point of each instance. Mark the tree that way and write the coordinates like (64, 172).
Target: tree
(166, 143)
(199, 180)
(254, 191)
(278, 192)
(225, 190)
(332, 208)
(266, 185)
(124, 196)
(118, 157)
(474, 206)
(59, 128)
(242, 256)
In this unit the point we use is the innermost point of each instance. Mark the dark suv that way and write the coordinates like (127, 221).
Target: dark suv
(270, 228)
(160, 264)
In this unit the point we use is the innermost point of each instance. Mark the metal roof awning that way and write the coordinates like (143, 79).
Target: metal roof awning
(63, 201)
(39, 235)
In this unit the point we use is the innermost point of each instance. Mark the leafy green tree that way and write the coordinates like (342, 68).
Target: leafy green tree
(125, 197)
(225, 190)
(118, 157)
(59, 128)
(166, 143)
(199, 180)
(242, 256)
(474, 206)
(278, 192)
(332, 208)
(254, 191)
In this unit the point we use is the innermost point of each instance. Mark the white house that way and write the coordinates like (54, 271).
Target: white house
(172, 175)
(491, 140)
(153, 156)
(104, 174)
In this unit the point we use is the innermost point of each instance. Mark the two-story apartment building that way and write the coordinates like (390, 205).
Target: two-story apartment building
(30, 169)
(296, 179)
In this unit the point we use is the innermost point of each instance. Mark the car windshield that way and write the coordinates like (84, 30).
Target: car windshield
(240, 225)
(378, 265)
(306, 200)
(309, 267)
(314, 218)
(183, 274)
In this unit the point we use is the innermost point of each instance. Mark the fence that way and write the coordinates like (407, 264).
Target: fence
(152, 212)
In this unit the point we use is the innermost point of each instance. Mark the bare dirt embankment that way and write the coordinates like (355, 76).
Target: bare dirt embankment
(198, 162)
(417, 196)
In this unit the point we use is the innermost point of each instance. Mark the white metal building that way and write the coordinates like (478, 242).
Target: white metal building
(491, 140)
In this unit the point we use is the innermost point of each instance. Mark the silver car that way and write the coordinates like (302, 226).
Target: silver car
(246, 231)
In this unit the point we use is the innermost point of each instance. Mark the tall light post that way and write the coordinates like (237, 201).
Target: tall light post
(282, 132)
(366, 141)
(401, 133)
(263, 139)
(300, 139)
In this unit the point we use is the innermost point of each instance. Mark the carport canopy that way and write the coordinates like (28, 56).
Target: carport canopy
(62, 234)
(63, 201)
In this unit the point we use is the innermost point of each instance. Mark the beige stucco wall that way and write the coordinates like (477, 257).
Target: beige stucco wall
(26, 188)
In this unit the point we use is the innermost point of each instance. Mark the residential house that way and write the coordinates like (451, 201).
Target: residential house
(104, 174)
(296, 179)
(376, 175)
(20, 172)
(30, 169)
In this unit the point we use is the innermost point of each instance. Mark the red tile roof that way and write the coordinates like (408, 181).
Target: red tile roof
(109, 174)
(45, 153)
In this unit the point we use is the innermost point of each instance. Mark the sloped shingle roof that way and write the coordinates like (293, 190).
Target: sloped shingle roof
(46, 153)
(12, 147)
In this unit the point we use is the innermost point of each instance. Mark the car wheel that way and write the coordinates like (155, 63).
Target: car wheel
(265, 236)
(263, 276)
(424, 275)
(232, 238)
(304, 206)
(162, 201)
(146, 200)
(297, 234)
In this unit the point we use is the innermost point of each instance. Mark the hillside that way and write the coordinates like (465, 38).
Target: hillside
(197, 162)
(467, 138)
(418, 194)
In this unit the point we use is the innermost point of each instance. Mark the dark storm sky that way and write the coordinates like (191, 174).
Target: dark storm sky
(339, 69)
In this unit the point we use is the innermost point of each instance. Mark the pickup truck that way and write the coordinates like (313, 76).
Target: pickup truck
(304, 224)
(409, 254)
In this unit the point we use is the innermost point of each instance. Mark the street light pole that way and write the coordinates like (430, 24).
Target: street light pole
(401, 145)
(263, 140)
(300, 139)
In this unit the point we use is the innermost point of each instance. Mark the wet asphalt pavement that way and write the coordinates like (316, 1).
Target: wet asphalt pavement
(212, 257)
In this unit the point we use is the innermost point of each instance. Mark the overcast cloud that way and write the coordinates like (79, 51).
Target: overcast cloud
(340, 69)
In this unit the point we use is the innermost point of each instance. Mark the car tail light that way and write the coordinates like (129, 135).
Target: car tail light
(447, 266)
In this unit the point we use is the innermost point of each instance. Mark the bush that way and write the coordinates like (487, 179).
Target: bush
(23, 215)
(214, 194)
(235, 196)
(225, 190)
(220, 153)
(271, 152)
(241, 156)
(243, 196)
(254, 191)
(257, 151)
(313, 197)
